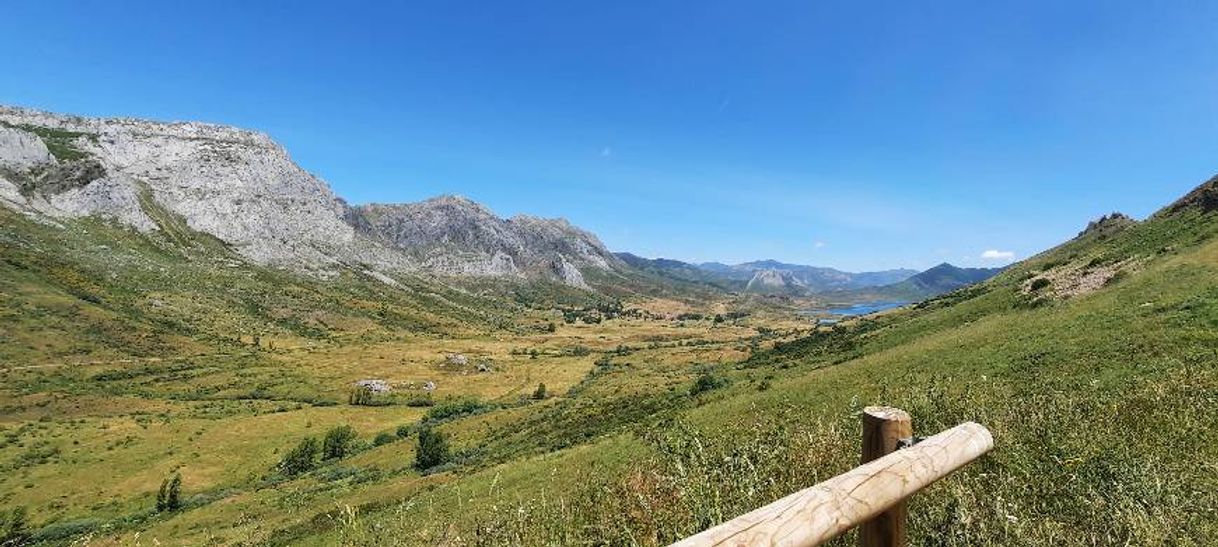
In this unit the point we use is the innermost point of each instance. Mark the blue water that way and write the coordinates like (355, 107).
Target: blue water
(863, 309)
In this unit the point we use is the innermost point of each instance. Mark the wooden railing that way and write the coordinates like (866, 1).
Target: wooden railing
(872, 496)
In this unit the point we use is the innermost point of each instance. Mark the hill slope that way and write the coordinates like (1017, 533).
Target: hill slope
(1095, 384)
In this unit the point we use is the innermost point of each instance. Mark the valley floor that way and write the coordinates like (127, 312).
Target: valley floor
(119, 427)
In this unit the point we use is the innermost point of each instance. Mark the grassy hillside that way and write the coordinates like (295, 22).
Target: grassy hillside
(1096, 385)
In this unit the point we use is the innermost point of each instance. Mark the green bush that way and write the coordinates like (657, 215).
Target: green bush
(301, 459)
(432, 449)
(454, 409)
(383, 438)
(57, 533)
(1040, 283)
(338, 442)
(706, 382)
(13, 527)
(540, 392)
(404, 431)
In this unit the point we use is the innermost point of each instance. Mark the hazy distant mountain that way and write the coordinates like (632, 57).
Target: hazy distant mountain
(945, 278)
(768, 276)
(938, 280)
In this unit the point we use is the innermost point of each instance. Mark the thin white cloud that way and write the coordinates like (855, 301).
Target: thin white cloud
(994, 254)
(819, 244)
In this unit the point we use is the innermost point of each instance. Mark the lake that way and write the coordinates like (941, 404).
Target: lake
(861, 309)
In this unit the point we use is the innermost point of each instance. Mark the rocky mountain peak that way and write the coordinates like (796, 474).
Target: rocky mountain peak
(455, 235)
(1108, 224)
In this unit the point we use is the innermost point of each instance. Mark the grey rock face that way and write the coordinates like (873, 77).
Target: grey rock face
(244, 189)
(454, 235)
(21, 150)
(236, 185)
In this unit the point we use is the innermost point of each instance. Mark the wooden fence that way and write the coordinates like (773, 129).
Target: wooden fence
(872, 496)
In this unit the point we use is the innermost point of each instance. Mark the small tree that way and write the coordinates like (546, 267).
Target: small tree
(169, 497)
(362, 395)
(300, 459)
(432, 449)
(337, 442)
(540, 392)
(173, 498)
(161, 496)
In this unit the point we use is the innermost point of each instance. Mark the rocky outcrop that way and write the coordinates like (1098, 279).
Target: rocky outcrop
(457, 236)
(1108, 224)
(22, 150)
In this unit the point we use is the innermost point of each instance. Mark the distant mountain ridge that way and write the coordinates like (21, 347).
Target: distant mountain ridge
(768, 276)
(940, 279)
(944, 278)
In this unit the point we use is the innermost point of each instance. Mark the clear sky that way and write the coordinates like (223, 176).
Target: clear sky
(860, 135)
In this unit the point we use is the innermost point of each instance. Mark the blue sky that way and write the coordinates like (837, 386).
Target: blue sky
(860, 135)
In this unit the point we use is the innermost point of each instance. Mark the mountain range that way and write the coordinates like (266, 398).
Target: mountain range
(768, 276)
(244, 190)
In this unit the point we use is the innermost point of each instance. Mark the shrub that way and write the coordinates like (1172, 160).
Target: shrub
(337, 442)
(169, 497)
(540, 392)
(432, 449)
(404, 431)
(300, 459)
(706, 382)
(383, 438)
(363, 396)
(454, 409)
(13, 527)
(420, 400)
(57, 533)
(1040, 283)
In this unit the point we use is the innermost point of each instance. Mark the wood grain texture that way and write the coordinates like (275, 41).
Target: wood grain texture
(819, 513)
(883, 429)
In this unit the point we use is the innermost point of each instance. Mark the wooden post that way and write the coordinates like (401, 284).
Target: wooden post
(817, 514)
(883, 429)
